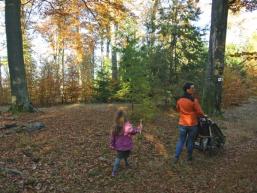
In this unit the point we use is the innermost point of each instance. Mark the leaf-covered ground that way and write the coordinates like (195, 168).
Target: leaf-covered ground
(72, 155)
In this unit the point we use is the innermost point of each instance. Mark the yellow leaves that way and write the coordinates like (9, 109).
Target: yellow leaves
(159, 147)
(235, 88)
(106, 11)
(75, 24)
(251, 68)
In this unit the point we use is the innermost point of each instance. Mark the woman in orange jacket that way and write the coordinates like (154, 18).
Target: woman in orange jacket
(189, 110)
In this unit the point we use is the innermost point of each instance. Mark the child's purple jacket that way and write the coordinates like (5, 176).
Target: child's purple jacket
(123, 142)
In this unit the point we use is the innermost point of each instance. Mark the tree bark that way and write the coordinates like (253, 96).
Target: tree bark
(173, 44)
(20, 97)
(114, 56)
(153, 17)
(93, 63)
(63, 73)
(214, 70)
(108, 42)
(1, 86)
(102, 53)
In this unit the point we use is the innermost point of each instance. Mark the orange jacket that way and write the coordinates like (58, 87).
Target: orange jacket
(189, 111)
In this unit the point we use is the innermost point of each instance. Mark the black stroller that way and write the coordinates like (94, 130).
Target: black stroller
(209, 137)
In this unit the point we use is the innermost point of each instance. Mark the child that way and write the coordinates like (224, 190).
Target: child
(121, 139)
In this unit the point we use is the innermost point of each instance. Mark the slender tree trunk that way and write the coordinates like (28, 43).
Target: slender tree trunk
(93, 63)
(1, 86)
(63, 73)
(173, 44)
(29, 67)
(102, 53)
(114, 65)
(114, 56)
(108, 48)
(79, 55)
(214, 70)
(108, 43)
(20, 97)
(153, 26)
(79, 66)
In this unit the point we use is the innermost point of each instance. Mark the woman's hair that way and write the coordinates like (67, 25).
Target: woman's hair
(187, 85)
(120, 119)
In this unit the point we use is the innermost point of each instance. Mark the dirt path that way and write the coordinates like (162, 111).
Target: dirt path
(72, 155)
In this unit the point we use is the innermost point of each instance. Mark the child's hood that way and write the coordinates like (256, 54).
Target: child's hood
(127, 128)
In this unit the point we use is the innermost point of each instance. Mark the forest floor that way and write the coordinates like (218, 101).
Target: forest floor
(72, 155)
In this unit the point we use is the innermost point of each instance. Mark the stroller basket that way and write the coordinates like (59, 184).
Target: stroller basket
(209, 135)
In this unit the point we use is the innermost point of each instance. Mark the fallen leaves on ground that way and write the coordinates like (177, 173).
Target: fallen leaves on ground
(72, 155)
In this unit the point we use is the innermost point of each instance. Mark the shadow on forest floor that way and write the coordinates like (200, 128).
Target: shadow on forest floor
(72, 155)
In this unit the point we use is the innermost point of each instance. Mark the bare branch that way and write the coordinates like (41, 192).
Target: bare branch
(95, 17)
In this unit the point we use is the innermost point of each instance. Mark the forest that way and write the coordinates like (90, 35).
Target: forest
(68, 66)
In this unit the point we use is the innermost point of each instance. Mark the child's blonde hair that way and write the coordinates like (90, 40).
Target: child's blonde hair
(120, 120)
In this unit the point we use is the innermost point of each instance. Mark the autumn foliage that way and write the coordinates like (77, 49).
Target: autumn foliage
(96, 53)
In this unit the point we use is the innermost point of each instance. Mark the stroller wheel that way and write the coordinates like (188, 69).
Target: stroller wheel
(213, 151)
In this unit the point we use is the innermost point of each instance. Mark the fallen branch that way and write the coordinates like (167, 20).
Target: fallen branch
(10, 171)
(30, 127)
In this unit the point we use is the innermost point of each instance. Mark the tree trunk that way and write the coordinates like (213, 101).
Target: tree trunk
(27, 54)
(214, 70)
(108, 40)
(102, 53)
(173, 44)
(153, 18)
(108, 43)
(114, 56)
(93, 63)
(20, 98)
(1, 86)
(63, 74)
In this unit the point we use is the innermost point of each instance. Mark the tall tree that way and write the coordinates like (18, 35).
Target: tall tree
(215, 66)
(174, 31)
(152, 25)
(212, 91)
(29, 62)
(20, 97)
